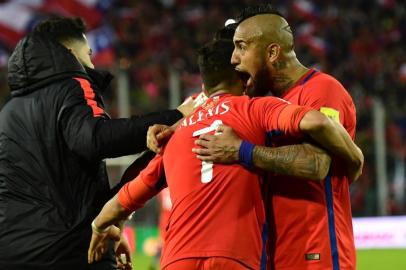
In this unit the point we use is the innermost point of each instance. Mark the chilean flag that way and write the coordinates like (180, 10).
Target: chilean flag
(318, 45)
(305, 30)
(15, 20)
(101, 41)
(90, 10)
(306, 35)
(306, 9)
(18, 17)
(30, 3)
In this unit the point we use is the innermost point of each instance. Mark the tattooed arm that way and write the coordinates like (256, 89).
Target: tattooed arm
(301, 160)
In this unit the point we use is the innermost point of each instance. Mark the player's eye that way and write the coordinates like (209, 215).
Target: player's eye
(90, 52)
(242, 46)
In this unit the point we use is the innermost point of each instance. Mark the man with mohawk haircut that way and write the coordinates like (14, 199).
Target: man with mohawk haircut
(310, 225)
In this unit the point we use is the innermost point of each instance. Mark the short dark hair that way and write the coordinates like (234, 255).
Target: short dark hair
(214, 60)
(254, 10)
(226, 33)
(61, 29)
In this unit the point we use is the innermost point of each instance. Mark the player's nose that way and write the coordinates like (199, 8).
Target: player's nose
(235, 59)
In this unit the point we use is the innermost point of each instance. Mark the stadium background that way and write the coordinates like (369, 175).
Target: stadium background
(150, 47)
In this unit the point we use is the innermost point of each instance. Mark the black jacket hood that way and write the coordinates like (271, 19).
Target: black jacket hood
(38, 61)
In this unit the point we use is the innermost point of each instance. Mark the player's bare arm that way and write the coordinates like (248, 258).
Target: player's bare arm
(103, 228)
(333, 137)
(302, 160)
(100, 241)
(122, 251)
(113, 212)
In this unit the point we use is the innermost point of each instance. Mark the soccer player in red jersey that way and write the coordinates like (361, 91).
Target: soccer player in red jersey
(310, 222)
(217, 217)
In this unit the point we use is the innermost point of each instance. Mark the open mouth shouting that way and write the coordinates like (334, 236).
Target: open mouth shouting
(246, 80)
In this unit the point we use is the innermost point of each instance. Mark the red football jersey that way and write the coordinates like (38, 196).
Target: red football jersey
(310, 222)
(217, 209)
(165, 207)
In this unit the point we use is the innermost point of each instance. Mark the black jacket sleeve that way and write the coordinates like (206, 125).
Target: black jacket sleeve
(133, 170)
(89, 133)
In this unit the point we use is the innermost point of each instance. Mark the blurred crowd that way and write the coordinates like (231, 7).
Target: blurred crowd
(360, 42)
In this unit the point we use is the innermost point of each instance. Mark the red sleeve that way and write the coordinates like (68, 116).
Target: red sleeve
(277, 114)
(290, 117)
(328, 96)
(154, 175)
(146, 185)
(323, 91)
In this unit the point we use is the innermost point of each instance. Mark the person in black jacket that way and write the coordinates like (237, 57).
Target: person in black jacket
(54, 135)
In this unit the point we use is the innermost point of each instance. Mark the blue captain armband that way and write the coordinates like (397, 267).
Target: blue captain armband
(245, 154)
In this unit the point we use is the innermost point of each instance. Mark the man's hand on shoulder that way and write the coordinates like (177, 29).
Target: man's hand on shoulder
(157, 136)
(221, 148)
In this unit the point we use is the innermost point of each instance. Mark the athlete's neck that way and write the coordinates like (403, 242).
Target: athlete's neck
(219, 93)
(286, 75)
(232, 88)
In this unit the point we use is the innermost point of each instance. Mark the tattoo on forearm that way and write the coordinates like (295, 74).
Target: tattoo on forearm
(303, 160)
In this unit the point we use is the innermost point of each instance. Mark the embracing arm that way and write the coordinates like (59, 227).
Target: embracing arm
(333, 137)
(300, 160)
(227, 147)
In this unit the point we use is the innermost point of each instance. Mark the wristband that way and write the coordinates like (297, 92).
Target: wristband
(97, 230)
(245, 153)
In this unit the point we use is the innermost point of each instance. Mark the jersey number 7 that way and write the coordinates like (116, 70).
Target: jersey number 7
(207, 166)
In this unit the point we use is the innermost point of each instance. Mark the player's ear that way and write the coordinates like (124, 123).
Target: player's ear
(273, 50)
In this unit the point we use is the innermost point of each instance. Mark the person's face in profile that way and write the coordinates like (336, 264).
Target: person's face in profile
(249, 59)
(82, 51)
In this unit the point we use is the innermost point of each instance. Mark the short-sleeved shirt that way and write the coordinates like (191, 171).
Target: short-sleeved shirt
(310, 222)
(217, 209)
